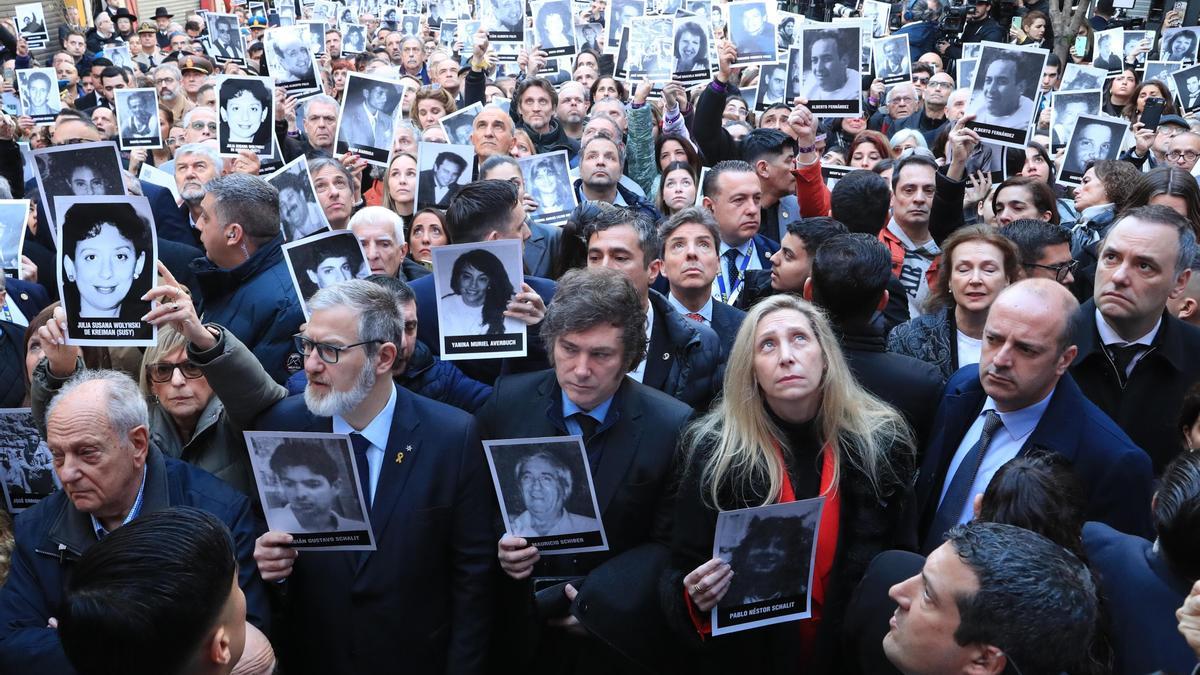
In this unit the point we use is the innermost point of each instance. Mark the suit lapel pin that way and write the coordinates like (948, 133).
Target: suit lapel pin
(399, 457)
(666, 355)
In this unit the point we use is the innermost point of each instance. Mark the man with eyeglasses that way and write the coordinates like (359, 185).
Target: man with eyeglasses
(199, 124)
(930, 118)
(1184, 151)
(167, 80)
(901, 102)
(423, 476)
(1151, 145)
(1045, 250)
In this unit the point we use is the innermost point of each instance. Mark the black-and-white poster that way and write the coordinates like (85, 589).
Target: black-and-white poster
(82, 170)
(548, 182)
(587, 36)
(1003, 91)
(546, 494)
(137, 119)
(865, 28)
(370, 109)
(795, 72)
(410, 25)
(1065, 109)
(225, 39)
(1076, 77)
(892, 62)
(1110, 50)
(26, 465)
(771, 550)
(311, 487)
(354, 41)
(504, 20)
(31, 24)
(751, 30)
(247, 111)
(966, 70)
(107, 260)
(789, 30)
(691, 50)
(459, 124)
(443, 168)
(38, 88)
(772, 86)
(120, 56)
(650, 49)
(1135, 39)
(832, 82)
(322, 260)
(832, 173)
(1187, 87)
(13, 215)
(553, 29)
(290, 61)
(314, 35)
(1095, 137)
(474, 284)
(300, 213)
(1161, 71)
(1179, 44)
(618, 13)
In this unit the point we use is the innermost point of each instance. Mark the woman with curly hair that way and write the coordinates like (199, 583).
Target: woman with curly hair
(482, 290)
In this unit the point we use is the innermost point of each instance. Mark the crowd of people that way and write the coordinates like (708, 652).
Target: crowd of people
(988, 376)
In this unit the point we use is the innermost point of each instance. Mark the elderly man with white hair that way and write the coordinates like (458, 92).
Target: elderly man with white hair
(381, 233)
(318, 117)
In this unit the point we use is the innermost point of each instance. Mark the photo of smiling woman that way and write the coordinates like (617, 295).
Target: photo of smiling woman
(247, 115)
(81, 170)
(691, 52)
(474, 284)
(106, 261)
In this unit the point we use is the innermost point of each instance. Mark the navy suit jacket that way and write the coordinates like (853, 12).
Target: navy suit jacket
(169, 221)
(726, 320)
(29, 297)
(423, 599)
(541, 249)
(485, 370)
(764, 247)
(1115, 474)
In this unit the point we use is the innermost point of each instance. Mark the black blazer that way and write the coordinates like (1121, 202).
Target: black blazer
(726, 320)
(422, 598)
(636, 449)
(425, 191)
(870, 610)
(541, 249)
(1114, 473)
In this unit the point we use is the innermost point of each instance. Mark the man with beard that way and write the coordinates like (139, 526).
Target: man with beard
(421, 469)
(930, 118)
(536, 100)
(573, 100)
(167, 80)
(195, 165)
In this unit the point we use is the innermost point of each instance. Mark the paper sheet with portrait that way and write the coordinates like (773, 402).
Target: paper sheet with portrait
(311, 486)
(26, 466)
(474, 284)
(772, 551)
(546, 493)
(323, 260)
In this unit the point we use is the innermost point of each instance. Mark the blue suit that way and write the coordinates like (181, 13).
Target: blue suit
(422, 601)
(1115, 474)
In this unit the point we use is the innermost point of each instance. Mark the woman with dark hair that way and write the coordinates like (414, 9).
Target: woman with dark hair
(1148, 89)
(553, 28)
(1119, 91)
(977, 263)
(244, 112)
(104, 251)
(609, 87)
(427, 229)
(868, 148)
(1104, 191)
(482, 290)
(670, 148)
(691, 48)
(83, 176)
(676, 188)
(1172, 187)
(546, 188)
(1024, 197)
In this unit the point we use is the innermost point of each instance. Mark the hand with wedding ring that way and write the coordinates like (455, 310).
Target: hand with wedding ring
(708, 583)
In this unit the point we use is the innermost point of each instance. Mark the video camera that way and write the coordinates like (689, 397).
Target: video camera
(952, 23)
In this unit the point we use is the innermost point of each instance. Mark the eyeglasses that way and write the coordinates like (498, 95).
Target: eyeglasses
(1176, 155)
(327, 352)
(920, 80)
(940, 85)
(164, 80)
(901, 99)
(163, 371)
(201, 126)
(1061, 271)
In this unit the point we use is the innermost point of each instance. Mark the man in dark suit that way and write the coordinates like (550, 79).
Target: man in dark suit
(483, 211)
(733, 194)
(683, 357)
(594, 335)
(424, 595)
(689, 265)
(29, 298)
(438, 185)
(1020, 396)
(1135, 360)
(368, 123)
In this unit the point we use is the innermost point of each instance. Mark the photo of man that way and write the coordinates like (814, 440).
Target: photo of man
(620, 12)
(831, 82)
(369, 110)
(459, 124)
(1094, 138)
(504, 20)
(1065, 109)
(26, 463)
(1110, 48)
(753, 34)
(35, 86)
(31, 23)
(1187, 83)
(1004, 88)
(892, 59)
(137, 115)
(322, 260)
(225, 38)
(444, 169)
(247, 115)
(289, 59)
(553, 27)
(300, 214)
(773, 86)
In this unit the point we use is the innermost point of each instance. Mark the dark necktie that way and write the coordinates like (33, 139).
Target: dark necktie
(960, 485)
(587, 425)
(1122, 356)
(361, 444)
(731, 269)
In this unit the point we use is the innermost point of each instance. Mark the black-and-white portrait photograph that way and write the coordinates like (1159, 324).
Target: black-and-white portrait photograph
(832, 82)
(410, 25)
(1179, 44)
(300, 213)
(289, 59)
(650, 49)
(31, 24)
(443, 169)
(771, 550)
(137, 119)
(1003, 91)
(548, 182)
(312, 487)
(1094, 137)
(81, 170)
(447, 34)
(225, 39)
(789, 30)
(553, 28)
(692, 43)
(26, 465)
(546, 494)
(504, 20)
(772, 85)
(878, 13)
(795, 72)
(322, 260)
(315, 35)
(354, 39)
(1065, 109)
(1109, 53)
(1187, 87)
(13, 214)
(866, 54)
(370, 109)
(38, 88)
(618, 14)
(107, 257)
(390, 16)
(1161, 71)
(287, 14)
(971, 50)
(751, 30)
(966, 70)
(458, 124)
(324, 10)
(587, 36)
(1076, 77)
(120, 56)
(474, 284)
(1135, 39)
(892, 62)
(247, 113)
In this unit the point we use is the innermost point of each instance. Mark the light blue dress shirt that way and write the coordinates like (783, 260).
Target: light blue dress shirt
(376, 433)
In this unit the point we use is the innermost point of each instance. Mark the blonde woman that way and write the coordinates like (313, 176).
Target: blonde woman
(430, 105)
(792, 423)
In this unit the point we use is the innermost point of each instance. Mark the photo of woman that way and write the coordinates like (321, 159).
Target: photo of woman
(554, 28)
(547, 182)
(104, 251)
(482, 290)
(82, 170)
(245, 107)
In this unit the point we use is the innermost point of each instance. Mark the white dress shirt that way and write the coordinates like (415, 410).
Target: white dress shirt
(1109, 338)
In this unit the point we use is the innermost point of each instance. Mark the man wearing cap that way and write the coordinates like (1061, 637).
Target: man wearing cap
(1150, 145)
(151, 56)
(257, 24)
(162, 22)
(195, 70)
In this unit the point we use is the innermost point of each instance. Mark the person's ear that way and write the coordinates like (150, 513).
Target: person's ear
(762, 169)
(977, 505)
(69, 268)
(1188, 309)
(708, 203)
(492, 236)
(987, 660)
(219, 647)
(386, 354)
(312, 276)
(403, 251)
(807, 292)
(234, 234)
(883, 301)
(654, 269)
(1181, 282)
(139, 440)
(139, 265)
(1065, 360)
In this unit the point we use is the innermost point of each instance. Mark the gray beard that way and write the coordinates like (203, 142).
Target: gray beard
(340, 402)
(168, 96)
(193, 197)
